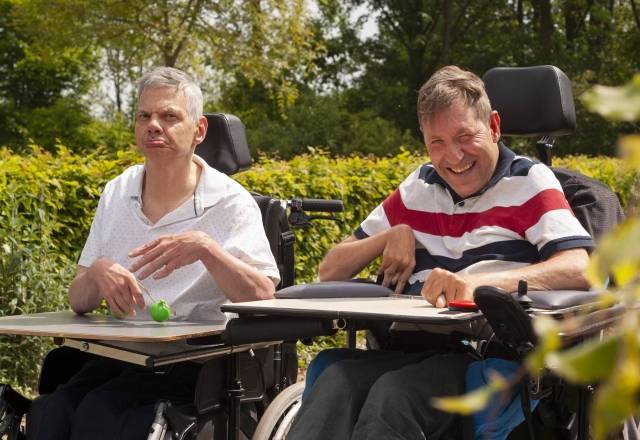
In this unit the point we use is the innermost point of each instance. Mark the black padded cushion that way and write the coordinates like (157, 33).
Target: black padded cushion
(334, 289)
(225, 146)
(531, 101)
(593, 203)
(561, 299)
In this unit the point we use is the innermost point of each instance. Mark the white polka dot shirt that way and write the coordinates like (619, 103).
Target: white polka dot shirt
(220, 207)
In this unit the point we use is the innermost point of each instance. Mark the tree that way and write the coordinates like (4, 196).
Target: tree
(265, 40)
(36, 80)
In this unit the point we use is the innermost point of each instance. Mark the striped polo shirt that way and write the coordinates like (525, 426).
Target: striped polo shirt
(520, 217)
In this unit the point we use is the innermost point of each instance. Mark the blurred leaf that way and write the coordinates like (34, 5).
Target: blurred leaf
(548, 341)
(587, 362)
(629, 150)
(616, 399)
(610, 407)
(471, 402)
(625, 271)
(615, 103)
(618, 253)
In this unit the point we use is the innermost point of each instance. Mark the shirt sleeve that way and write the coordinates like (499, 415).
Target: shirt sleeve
(93, 248)
(556, 227)
(246, 238)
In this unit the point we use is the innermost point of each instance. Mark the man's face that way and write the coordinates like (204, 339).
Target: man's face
(463, 149)
(163, 125)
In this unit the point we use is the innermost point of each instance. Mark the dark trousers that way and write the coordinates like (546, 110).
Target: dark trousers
(383, 395)
(109, 400)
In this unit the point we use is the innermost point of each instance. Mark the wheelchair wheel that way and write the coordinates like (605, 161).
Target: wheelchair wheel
(278, 418)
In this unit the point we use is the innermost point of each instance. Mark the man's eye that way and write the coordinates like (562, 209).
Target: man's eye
(171, 116)
(465, 138)
(142, 117)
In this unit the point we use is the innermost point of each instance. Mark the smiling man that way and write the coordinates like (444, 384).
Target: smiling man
(477, 214)
(191, 234)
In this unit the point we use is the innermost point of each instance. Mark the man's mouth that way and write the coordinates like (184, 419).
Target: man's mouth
(154, 142)
(461, 168)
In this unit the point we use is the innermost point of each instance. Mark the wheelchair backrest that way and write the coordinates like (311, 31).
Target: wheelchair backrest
(531, 101)
(225, 146)
(538, 101)
(226, 149)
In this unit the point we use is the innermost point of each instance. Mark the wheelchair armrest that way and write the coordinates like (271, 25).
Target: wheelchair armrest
(334, 289)
(249, 330)
(561, 299)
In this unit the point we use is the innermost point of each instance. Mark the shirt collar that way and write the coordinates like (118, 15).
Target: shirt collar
(210, 190)
(503, 169)
(211, 187)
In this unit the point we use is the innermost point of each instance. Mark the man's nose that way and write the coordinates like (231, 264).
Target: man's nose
(454, 153)
(154, 125)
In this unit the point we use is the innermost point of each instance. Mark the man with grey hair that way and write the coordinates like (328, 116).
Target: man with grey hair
(190, 234)
(477, 214)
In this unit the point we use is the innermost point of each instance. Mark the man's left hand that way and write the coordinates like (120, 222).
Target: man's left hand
(165, 254)
(442, 286)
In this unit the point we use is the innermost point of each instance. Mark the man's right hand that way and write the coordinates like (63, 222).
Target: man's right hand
(398, 257)
(117, 286)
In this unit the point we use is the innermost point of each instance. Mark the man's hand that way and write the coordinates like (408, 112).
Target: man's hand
(117, 286)
(398, 257)
(165, 254)
(442, 286)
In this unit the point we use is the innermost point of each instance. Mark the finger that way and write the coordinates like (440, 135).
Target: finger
(147, 257)
(154, 266)
(443, 291)
(428, 291)
(136, 293)
(144, 248)
(402, 280)
(118, 305)
(450, 291)
(388, 275)
(175, 261)
(115, 310)
(164, 272)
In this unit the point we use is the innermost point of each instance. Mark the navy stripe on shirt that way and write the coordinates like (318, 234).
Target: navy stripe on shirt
(519, 251)
(564, 243)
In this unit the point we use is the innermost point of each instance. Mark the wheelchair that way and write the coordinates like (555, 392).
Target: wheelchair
(533, 102)
(233, 391)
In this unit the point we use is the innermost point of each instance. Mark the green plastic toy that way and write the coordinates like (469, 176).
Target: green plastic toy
(160, 311)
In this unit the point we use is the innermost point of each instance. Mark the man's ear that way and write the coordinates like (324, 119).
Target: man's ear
(494, 125)
(201, 132)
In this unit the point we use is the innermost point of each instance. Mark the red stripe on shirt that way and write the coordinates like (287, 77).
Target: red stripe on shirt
(517, 218)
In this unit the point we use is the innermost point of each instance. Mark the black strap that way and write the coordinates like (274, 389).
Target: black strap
(287, 240)
(525, 399)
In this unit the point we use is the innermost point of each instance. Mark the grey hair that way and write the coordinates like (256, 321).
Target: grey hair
(449, 85)
(172, 77)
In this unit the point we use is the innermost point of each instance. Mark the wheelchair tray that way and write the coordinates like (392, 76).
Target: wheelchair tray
(158, 353)
(400, 309)
(91, 326)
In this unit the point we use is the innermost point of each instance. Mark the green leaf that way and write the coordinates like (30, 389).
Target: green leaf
(587, 362)
(615, 103)
(629, 150)
(547, 330)
(615, 399)
(472, 402)
(617, 253)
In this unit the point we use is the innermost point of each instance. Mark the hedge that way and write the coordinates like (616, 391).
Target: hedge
(47, 202)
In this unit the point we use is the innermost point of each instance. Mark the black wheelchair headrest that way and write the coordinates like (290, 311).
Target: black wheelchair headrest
(225, 146)
(531, 101)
